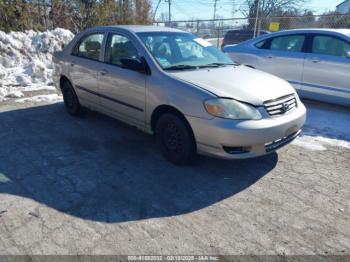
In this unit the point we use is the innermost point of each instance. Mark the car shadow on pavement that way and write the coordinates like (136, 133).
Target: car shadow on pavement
(100, 169)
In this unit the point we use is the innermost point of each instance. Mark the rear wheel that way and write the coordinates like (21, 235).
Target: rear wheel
(175, 139)
(70, 99)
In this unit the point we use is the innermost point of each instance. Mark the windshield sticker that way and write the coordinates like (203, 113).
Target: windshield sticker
(163, 61)
(202, 42)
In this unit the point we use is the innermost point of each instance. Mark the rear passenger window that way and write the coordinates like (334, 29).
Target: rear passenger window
(292, 43)
(327, 45)
(90, 46)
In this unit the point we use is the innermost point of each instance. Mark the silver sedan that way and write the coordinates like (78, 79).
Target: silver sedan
(179, 87)
(315, 61)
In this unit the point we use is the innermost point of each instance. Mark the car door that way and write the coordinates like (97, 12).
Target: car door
(122, 90)
(327, 68)
(283, 56)
(85, 65)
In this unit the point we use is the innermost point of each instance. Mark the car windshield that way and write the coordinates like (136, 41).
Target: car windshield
(181, 51)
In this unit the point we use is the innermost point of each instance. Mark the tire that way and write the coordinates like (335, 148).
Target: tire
(175, 139)
(70, 99)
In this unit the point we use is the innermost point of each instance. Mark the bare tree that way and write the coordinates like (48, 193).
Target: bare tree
(270, 7)
(143, 12)
(61, 14)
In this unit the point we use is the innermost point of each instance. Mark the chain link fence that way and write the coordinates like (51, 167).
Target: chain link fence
(214, 30)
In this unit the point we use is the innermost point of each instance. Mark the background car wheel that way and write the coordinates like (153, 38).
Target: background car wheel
(175, 139)
(70, 99)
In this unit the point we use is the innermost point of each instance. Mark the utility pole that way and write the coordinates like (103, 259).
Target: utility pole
(169, 6)
(214, 16)
(257, 4)
(121, 6)
(214, 22)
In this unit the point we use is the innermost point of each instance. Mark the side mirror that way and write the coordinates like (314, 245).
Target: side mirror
(348, 54)
(133, 64)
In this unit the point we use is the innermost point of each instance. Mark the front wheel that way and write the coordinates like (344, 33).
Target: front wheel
(175, 139)
(70, 99)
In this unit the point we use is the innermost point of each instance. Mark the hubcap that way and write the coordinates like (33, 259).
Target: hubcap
(172, 137)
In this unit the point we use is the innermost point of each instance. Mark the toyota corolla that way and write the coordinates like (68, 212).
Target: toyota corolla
(180, 88)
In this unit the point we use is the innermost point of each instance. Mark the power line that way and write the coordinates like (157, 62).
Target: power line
(169, 10)
(155, 11)
(203, 5)
(180, 9)
(203, 9)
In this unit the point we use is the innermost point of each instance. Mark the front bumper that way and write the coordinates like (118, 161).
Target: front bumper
(234, 139)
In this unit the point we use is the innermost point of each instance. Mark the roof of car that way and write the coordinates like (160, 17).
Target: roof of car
(342, 3)
(141, 28)
(340, 30)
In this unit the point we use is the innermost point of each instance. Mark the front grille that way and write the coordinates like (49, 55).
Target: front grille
(281, 105)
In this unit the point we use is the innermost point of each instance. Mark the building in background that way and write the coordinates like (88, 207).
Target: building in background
(344, 7)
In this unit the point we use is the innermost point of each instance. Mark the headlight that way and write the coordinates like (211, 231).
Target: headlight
(231, 109)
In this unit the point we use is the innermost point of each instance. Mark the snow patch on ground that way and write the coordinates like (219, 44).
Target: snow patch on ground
(26, 60)
(51, 98)
(319, 142)
(325, 127)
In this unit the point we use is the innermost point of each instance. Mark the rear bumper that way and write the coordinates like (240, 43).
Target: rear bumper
(232, 139)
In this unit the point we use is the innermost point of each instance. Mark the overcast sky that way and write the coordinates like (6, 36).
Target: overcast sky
(203, 9)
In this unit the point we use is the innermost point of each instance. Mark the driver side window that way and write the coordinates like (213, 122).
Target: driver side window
(120, 47)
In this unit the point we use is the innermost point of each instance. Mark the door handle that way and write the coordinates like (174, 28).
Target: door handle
(72, 63)
(103, 72)
(269, 56)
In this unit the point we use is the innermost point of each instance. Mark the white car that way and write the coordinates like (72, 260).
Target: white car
(315, 61)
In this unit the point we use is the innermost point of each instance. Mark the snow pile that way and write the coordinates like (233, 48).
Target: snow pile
(26, 60)
(325, 126)
(50, 98)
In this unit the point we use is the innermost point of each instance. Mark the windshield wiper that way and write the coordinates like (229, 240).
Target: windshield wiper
(216, 65)
(180, 67)
(184, 67)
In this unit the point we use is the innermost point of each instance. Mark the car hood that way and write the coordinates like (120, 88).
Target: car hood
(238, 82)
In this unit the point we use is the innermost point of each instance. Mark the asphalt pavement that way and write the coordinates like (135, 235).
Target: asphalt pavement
(93, 185)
